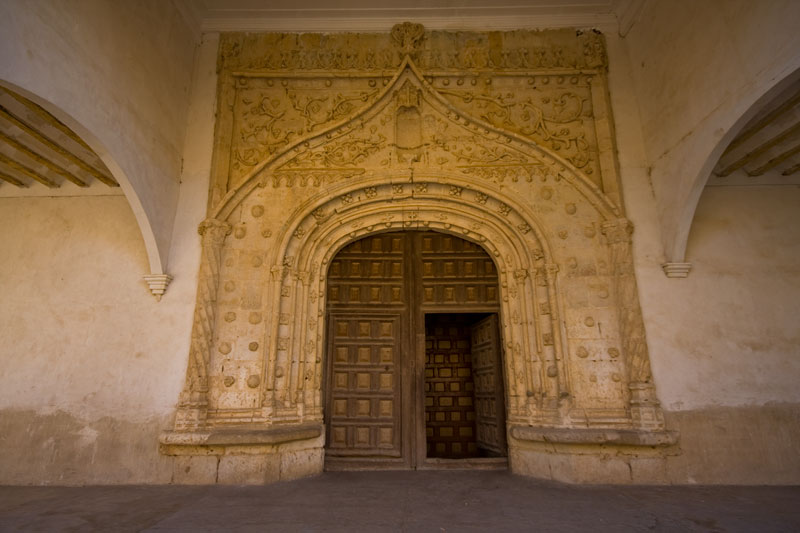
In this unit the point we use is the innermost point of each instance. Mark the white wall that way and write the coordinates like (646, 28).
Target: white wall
(727, 335)
(92, 366)
(697, 68)
(118, 73)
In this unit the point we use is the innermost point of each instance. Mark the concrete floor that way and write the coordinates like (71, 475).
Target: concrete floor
(434, 501)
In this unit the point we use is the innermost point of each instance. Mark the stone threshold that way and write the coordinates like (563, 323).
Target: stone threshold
(620, 437)
(173, 441)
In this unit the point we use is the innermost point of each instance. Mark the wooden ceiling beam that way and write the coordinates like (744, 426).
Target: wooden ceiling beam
(761, 150)
(51, 144)
(791, 170)
(22, 169)
(47, 117)
(41, 159)
(764, 122)
(775, 161)
(12, 180)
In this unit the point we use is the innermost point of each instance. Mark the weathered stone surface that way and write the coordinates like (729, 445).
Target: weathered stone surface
(248, 469)
(595, 436)
(450, 136)
(195, 470)
(301, 463)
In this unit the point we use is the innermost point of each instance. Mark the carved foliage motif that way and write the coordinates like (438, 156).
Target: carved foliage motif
(282, 88)
(348, 152)
(559, 117)
(270, 117)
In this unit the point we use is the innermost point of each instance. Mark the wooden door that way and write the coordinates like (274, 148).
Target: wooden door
(365, 386)
(489, 396)
(368, 400)
(379, 289)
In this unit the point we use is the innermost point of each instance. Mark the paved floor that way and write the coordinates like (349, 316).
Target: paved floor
(434, 501)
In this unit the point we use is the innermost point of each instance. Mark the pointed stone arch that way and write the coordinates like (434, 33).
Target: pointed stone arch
(315, 233)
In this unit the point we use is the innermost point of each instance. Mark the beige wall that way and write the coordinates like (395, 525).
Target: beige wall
(734, 320)
(697, 69)
(726, 335)
(119, 74)
(92, 365)
(723, 342)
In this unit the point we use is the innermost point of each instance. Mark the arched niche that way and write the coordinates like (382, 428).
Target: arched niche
(312, 238)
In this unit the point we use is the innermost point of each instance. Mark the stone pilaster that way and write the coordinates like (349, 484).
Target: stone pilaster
(645, 408)
(193, 403)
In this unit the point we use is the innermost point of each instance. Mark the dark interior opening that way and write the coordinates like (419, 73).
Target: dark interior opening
(462, 420)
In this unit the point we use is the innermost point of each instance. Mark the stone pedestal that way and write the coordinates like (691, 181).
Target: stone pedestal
(244, 456)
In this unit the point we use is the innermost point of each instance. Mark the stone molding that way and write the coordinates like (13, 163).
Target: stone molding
(676, 270)
(183, 442)
(619, 437)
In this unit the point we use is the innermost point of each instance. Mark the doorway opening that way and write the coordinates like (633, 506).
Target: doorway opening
(414, 375)
(464, 406)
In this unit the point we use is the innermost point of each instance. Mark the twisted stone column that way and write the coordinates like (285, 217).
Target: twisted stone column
(193, 404)
(645, 407)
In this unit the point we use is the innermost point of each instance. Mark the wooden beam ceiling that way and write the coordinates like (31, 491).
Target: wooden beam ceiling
(767, 150)
(36, 147)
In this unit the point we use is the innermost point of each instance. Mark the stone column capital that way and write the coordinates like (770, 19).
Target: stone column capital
(617, 230)
(214, 232)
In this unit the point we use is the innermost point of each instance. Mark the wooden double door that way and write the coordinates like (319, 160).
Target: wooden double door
(414, 374)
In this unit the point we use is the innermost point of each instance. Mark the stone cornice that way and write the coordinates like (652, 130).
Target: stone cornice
(621, 437)
(382, 20)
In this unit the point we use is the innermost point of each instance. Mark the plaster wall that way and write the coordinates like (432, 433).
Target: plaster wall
(731, 321)
(91, 364)
(118, 73)
(723, 342)
(697, 70)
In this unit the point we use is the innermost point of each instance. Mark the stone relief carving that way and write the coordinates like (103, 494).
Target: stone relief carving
(323, 139)
(519, 50)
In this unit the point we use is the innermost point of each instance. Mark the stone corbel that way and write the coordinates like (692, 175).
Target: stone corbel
(676, 270)
(158, 284)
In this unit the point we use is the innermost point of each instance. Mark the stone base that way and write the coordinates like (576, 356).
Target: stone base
(592, 465)
(584, 455)
(245, 456)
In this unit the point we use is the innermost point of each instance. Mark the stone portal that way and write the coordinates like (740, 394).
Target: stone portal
(503, 140)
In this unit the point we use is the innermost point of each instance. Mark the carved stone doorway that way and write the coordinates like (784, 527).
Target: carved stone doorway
(405, 309)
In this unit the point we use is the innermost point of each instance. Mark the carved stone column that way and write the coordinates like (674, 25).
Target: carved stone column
(645, 407)
(193, 403)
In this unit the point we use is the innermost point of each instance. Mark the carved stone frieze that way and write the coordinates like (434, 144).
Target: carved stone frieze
(517, 50)
(278, 89)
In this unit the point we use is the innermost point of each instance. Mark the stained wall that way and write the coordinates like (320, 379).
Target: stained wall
(92, 366)
(118, 74)
(723, 342)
